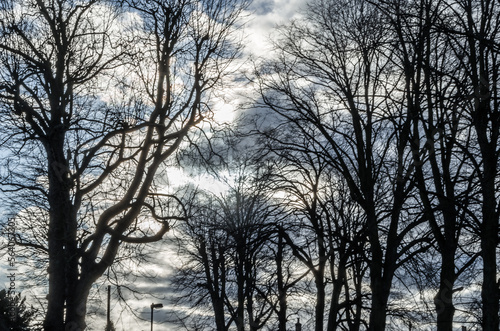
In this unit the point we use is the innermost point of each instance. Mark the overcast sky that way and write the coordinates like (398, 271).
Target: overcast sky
(263, 16)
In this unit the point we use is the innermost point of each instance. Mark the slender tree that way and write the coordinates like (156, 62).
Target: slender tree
(330, 84)
(440, 133)
(323, 227)
(478, 32)
(224, 247)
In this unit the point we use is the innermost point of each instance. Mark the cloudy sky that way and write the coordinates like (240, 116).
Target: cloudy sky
(265, 15)
(262, 17)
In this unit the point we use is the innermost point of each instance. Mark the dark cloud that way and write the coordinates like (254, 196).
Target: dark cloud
(262, 7)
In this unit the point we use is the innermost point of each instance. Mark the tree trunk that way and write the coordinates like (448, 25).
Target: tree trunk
(447, 245)
(379, 295)
(444, 297)
(487, 139)
(281, 286)
(77, 308)
(483, 70)
(215, 278)
(63, 268)
(219, 290)
(379, 305)
(489, 241)
(320, 300)
(338, 285)
(489, 292)
(218, 305)
(489, 227)
(249, 289)
(240, 279)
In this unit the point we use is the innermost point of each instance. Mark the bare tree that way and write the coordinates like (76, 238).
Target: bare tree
(226, 261)
(201, 280)
(330, 84)
(103, 113)
(477, 31)
(323, 227)
(449, 52)
(440, 134)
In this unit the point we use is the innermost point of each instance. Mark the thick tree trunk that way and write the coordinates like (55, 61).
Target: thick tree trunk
(448, 244)
(76, 302)
(487, 139)
(282, 310)
(54, 318)
(381, 276)
(378, 312)
(379, 292)
(489, 292)
(218, 305)
(320, 301)
(489, 241)
(444, 298)
(485, 118)
(77, 308)
(63, 268)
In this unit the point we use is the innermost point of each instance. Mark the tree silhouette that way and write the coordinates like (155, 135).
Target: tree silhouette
(15, 315)
(325, 86)
(224, 249)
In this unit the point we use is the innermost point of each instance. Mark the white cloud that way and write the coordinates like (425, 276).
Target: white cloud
(264, 17)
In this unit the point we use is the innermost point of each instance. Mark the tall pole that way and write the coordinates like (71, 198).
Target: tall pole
(109, 304)
(153, 306)
(151, 317)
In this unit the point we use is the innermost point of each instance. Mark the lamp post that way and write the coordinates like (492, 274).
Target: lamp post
(298, 326)
(153, 306)
(108, 319)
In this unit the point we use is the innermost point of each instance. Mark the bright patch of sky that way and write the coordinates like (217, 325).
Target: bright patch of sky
(264, 17)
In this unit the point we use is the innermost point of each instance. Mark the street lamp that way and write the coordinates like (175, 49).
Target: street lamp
(153, 306)
(298, 326)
